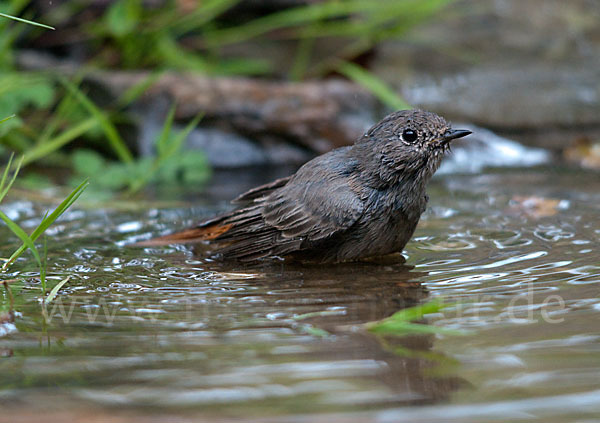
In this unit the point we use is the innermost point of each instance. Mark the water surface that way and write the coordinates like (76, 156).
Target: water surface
(161, 333)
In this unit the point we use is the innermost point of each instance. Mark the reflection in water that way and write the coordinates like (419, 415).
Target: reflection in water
(163, 331)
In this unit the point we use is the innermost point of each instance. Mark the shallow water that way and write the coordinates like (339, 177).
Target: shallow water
(159, 334)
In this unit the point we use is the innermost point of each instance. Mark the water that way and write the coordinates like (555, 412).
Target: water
(161, 334)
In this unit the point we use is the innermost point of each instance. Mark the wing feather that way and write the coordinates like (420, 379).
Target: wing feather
(259, 192)
(314, 205)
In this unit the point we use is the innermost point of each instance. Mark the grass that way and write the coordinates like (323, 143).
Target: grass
(6, 182)
(373, 84)
(108, 128)
(14, 18)
(29, 240)
(128, 175)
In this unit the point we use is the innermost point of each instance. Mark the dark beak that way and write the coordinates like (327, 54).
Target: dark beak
(453, 134)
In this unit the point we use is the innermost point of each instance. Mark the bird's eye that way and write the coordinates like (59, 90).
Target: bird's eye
(409, 135)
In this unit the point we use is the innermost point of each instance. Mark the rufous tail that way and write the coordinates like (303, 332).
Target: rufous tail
(187, 236)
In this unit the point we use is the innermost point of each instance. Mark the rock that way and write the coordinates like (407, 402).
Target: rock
(226, 150)
(507, 33)
(547, 107)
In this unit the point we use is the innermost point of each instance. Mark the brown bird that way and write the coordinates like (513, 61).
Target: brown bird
(353, 202)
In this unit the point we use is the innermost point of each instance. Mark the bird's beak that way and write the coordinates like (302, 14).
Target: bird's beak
(453, 134)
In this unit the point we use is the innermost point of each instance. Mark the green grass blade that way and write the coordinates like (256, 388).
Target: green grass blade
(62, 207)
(7, 118)
(375, 85)
(115, 140)
(302, 58)
(166, 147)
(163, 138)
(134, 92)
(175, 145)
(206, 13)
(4, 176)
(64, 111)
(14, 18)
(54, 291)
(289, 18)
(50, 146)
(48, 220)
(383, 21)
(4, 190)
(27, 241)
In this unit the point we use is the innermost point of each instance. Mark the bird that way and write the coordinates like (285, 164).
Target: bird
(351, 203)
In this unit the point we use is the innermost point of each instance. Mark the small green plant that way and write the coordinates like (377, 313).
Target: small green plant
(40, 93)
(6, 183)
(170, 164)
(199, 37)
(76, 116)
(401, 322)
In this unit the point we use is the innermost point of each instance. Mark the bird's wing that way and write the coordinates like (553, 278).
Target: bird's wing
(315, 208)
(260, 192)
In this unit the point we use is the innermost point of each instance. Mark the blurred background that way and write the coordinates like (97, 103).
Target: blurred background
(120, 89)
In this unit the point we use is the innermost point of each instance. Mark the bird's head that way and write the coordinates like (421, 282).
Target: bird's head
(410, 143)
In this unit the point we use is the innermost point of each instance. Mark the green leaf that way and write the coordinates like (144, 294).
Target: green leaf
(50, 146)
(163, 138)
(27, 241)
(4, 190)
(117, 176)
(204, 15)
(177, 141)
(110, 131)
(20, 90)
(137, 90)
(55, 290)
(123, 17)
(399, 323)
(7, 118)
(48, 220)
(195, 167)
(287, 18)
(170, 161)
(88, 162)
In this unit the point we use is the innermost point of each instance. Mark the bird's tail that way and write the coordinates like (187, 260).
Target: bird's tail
(187, 236)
